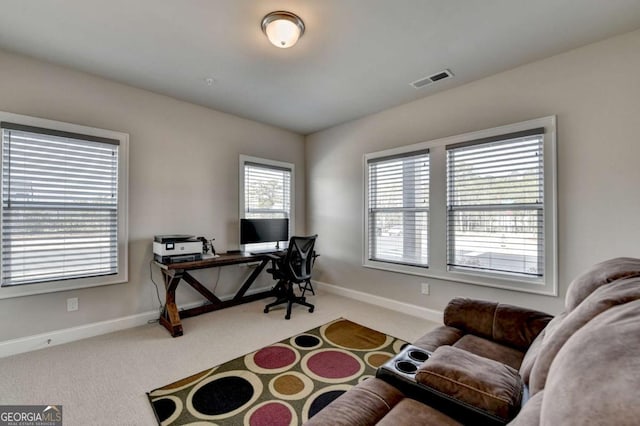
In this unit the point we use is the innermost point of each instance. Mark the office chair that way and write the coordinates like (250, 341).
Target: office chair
(306, 285)
(294, 268)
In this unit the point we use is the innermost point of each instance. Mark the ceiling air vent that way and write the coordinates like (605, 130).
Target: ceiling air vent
(442, 75)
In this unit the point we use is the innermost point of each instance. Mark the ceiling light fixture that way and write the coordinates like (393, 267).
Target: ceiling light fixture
(283, 29)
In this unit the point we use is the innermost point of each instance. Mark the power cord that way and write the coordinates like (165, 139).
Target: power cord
(215, 286)
(157, 292)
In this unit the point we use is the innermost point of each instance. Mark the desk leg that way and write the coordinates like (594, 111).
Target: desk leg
(170, 317)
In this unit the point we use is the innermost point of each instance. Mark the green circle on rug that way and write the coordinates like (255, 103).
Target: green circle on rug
(348, 334)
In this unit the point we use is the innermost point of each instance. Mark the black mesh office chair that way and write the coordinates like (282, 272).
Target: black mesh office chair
(293, 269)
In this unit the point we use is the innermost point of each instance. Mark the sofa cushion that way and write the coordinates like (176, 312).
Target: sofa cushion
(558, 333)
(374, 401)
(364, 404)
(471, 316)
(506, 324)
(595, 377)
(483, 383)
(530, 413)
(530, 357)
(489, 349)
(599, 275)
(518, 327)
(411, 412)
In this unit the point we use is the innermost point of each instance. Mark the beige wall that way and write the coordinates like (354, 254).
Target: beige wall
(183, 167)
(184, 172)
(595, 93)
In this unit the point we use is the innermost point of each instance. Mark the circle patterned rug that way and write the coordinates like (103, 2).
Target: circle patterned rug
(282, 384)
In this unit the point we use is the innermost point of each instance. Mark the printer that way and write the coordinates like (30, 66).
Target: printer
(176, 248)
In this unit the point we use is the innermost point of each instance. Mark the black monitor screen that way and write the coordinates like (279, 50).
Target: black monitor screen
(263, 230)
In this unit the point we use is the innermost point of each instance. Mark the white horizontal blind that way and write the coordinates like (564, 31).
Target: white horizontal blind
(398, 209)
(59, 205)
(267, 191)
(496, 204)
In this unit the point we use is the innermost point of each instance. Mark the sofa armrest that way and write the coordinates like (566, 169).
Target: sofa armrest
(507, 324)
(439, 336)
(488, 385)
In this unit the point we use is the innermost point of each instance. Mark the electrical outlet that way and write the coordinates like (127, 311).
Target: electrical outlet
(425, 288)
(72, 304)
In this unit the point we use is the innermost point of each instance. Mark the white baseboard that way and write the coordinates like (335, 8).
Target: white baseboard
(58, 337)
(66, 335)
(405, 308)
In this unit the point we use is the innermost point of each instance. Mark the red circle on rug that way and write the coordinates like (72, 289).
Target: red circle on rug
(273, 357)
(271, 414)
(333, 364)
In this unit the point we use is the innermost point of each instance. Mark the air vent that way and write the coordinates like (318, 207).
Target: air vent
(442, 75)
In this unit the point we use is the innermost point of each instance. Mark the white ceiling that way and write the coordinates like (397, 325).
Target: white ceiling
(355, 58)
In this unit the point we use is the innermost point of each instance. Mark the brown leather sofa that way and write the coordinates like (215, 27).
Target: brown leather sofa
(581, 367)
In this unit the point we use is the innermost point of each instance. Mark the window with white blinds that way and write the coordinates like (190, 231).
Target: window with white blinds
(398, 209)
(64, 206)
(476, 208)
(266, 192)
(59, 205)
(495, 202)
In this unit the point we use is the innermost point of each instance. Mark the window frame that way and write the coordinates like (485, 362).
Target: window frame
(438, 248)
(241, 196)
(122, 276)
(496, 207)
(367, 260)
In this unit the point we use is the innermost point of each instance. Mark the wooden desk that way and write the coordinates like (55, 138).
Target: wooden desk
(173, 273)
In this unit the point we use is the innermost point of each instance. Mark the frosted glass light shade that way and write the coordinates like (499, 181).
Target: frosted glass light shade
(283, 29)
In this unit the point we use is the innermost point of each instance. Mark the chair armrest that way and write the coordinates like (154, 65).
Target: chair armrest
(507, 324)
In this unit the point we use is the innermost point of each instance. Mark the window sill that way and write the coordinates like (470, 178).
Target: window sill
(397, 267)
(8, 292)
(523, 285)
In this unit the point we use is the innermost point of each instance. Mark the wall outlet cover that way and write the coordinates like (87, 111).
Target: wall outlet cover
(72, 304)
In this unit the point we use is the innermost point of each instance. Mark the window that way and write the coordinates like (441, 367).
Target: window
(63, 206)
(477, 208)
(397, 210)
(266, 190)
(495, 205)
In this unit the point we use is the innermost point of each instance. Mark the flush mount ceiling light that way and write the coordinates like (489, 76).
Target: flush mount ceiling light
(283, 29)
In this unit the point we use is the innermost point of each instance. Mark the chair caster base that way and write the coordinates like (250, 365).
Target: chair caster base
(287, 317)
(266, 310)
(311, 310)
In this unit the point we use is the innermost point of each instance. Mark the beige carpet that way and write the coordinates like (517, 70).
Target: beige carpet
(103, 380)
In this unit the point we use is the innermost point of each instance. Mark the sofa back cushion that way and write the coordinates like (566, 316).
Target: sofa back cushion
(471, 316)
(506, 324)
(618, 293)
(595, 377)
(530, 357)
(600, 274)
(518, 327)
(548, 342)
(490, 349)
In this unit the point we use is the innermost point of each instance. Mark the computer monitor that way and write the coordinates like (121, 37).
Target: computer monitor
(263, 230)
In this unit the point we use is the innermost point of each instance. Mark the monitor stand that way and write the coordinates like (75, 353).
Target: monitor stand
(268, 250)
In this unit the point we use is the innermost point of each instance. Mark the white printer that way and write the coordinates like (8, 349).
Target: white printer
(176, 248)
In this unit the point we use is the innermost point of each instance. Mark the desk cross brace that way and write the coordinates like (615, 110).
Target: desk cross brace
(171, 316)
